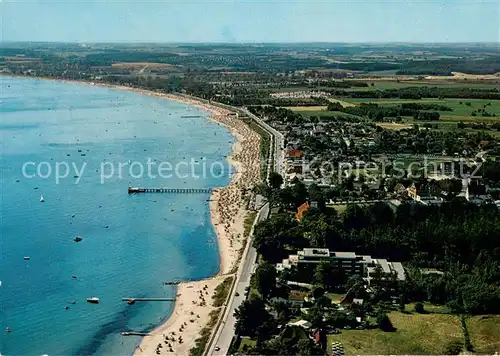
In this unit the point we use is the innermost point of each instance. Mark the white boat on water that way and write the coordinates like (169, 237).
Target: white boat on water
(94, 300)
(41, 198)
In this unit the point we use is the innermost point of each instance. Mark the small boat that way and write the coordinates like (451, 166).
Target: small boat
(26, 258)
(93, 300)
(131, 301)
(78, 239)
(74, 276)
(41, 198)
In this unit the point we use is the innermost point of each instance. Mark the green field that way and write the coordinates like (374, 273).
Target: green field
(379, 84)
(484, 331)
(246, 344)
(458, 105)
(306, 108)
(415, 334)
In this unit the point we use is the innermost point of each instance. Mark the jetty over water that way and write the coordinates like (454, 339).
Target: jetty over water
(148, 299)
(133, 333)
(135, 190)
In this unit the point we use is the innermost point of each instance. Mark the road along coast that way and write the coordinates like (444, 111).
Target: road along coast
(228, 210)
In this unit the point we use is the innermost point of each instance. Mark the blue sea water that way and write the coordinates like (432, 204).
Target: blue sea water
(131, 243)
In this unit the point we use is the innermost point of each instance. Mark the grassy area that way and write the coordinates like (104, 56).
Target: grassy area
(344, 103)
(335, 297)
(249, 219)
(415, 334)
(462, 110)
(430, 308)
(388, 102)
(265, 140)
(379, 84)
(201, 342)
(246, 344)
(306, 108)
(221, 292)
(393, 126)
(340, 208)
(484, 331)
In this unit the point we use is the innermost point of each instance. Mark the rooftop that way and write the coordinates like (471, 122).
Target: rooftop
(400, 271)
(316, 252)
(345, 254)
(384, 264)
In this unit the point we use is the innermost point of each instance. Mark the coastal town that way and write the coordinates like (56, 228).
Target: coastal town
(363, 215)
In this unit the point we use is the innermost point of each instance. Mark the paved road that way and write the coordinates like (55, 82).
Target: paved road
(225, 333)
(278, 142)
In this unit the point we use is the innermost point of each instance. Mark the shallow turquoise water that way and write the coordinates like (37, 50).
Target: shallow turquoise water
(131, 243)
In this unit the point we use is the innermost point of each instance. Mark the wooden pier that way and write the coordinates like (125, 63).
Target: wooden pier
(133, 333)
(134, 190)
(148, 299)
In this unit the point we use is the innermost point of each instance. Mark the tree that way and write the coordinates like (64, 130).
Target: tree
(250, 315)
(318, 292)
(383, 321)
(264, 279)
(419, 308)
(271, 235)
(355, 217)
(283, 311)
(275, 180)
(401, 303)
(323, 275)
(267, 192)
(305, 347)
(315, 316)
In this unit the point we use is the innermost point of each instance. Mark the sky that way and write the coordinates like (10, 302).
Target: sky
(88, 21)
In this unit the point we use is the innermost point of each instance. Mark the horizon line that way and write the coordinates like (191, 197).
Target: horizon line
(80, 42)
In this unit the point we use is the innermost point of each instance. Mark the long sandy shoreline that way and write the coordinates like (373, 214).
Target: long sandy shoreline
(228, 211)
(193, 305)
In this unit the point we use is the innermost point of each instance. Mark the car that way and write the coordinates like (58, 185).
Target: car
(217, 348)
(237, 294)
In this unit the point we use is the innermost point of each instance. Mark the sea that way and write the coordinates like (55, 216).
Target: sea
(78, 148)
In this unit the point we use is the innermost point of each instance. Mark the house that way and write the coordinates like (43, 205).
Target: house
(290, 301)
(293, 154)
(389, 270)
(319, 337)
(295, 167)
(301, 210)
(447, 169)
(357, 301)
(419, 192)
(400, 189)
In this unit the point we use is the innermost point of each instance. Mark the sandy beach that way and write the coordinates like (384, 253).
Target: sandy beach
(228, 210)
(227, 207)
